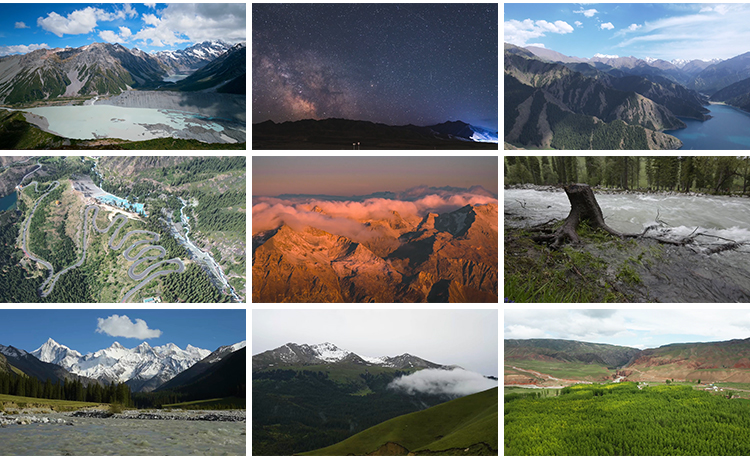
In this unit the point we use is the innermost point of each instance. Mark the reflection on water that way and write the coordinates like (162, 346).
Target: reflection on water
(128, 437)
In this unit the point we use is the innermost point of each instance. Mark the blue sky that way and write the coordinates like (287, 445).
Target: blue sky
(638, 328)
(658, 30)
(28, 329)
(25, 27)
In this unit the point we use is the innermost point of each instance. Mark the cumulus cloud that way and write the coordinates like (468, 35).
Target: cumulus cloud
(115, 325)
(634, 27)
(578, 24)
(456, 382)
(607, 26)
(21, 49)
(150, 5)
(194, 22)
(520, 32)
(588, 13)
(112, 37)
(21, 25)
(349, 217)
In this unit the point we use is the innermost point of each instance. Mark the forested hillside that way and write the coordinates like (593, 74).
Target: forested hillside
(708, 174)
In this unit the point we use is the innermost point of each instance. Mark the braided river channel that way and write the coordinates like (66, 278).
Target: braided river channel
(125, 437)
(689, 273)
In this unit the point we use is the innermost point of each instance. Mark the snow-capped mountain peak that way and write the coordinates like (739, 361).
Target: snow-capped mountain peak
(142, 366)
(329, 352)
(11, 351)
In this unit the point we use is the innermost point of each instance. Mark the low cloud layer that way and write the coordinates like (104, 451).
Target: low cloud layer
(346, 217)
(115, 325)
(456, 383)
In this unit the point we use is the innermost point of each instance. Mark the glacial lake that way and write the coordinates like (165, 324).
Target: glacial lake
(109, 121)
(729, 129)
(8, 202)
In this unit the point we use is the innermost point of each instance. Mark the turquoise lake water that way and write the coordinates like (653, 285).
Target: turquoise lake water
(122, 203)
(8, 202)
(729, 129)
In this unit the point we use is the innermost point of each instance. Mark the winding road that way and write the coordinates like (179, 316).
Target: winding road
(145, 277)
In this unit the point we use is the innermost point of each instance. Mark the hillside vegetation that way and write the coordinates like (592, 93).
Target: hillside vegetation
(467, 425)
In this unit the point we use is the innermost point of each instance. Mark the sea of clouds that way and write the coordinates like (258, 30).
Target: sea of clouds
(344, 216)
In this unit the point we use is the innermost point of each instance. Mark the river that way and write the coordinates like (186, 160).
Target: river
(680, 274)
(729, 129)
(125, 437)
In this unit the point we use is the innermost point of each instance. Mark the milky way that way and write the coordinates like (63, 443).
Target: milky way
(389, 63)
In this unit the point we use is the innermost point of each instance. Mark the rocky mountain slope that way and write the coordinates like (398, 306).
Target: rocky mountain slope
(95, 69)
(292, 354)
(143, 368)
(34, 367)
(188, 60)
(226, 73)
(551, 105)
(736, 95)
(568, 351)
(438, 258)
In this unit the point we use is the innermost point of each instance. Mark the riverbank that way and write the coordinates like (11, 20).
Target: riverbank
(604, 268)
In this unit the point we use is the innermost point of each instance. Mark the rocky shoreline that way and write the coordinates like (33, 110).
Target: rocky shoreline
(28, 417)
(173, 415)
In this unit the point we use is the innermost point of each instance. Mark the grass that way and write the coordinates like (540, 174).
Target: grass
(564, 370)
(209, 404)
(55, 405)
(466, 422)
(533, 273)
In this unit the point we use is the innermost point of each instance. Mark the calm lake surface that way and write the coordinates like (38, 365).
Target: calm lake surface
(729, 129)
(125, 437)
(8, 202)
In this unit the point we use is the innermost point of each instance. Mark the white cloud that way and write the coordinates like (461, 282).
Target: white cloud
(520, 32)
(628, 327)
(194, 22)
(634, 27)
(578, 24)
(588, 13)
(112, 37)
(76, 23)
(21, 25)
(538, 45)
(607, 26)
(21, 49)
(456, 382)
(115, 325)
(150, 5)
(606, 56)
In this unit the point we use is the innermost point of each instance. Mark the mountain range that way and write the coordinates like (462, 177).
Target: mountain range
(447, 257)
(109, 69)
(307, 397)
(292, 354)
(143, 368)
(611, 102)
(339, 133)
(540, 361)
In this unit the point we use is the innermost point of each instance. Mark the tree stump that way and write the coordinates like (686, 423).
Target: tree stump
(583, 207)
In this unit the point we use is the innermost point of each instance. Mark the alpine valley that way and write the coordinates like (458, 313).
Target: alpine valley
(324, 400)
(611, 103)
(104, 94)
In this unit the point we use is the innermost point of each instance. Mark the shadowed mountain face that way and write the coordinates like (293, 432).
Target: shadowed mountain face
(350, 134)
(447, 257)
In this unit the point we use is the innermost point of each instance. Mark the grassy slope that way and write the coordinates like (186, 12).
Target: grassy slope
(459, 423)
(56, 405)
(563, 370)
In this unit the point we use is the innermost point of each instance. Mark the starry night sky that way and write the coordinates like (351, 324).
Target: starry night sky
(396, 64)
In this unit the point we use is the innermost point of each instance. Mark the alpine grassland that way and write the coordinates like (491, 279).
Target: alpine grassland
(467, 424)
(627, 419)
(15, 401)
